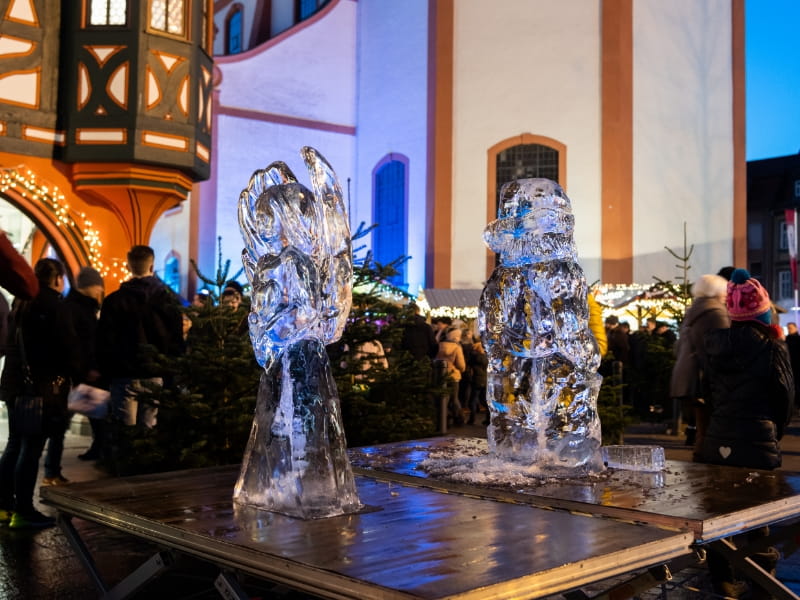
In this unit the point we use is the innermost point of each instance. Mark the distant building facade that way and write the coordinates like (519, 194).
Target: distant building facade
(773, 187)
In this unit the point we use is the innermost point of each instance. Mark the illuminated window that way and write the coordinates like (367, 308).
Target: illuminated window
(389, 210)
(168, 16)
(108, 12)
(524, 161)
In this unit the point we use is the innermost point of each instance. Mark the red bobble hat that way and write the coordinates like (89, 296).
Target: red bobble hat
(747, 299)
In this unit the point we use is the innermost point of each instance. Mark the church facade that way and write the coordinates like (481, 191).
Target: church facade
(148, 125)
(425, 108)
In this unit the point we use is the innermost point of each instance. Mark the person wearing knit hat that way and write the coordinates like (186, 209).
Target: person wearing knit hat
(752, 393)
(752, 386)
(90, 282)
(689, 382)
(747, 299)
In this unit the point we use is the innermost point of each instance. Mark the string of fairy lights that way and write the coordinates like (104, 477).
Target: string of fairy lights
(630, 300)
(75, 224)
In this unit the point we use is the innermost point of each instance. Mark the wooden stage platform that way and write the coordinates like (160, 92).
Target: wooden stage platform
(428, 538)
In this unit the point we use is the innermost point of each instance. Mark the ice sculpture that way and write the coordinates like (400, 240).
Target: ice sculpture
(298, 259)
(533, 316)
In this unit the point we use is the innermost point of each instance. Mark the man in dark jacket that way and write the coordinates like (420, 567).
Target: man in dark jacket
(83, 303)
(143, 316)
(40, 361)
(418, 337)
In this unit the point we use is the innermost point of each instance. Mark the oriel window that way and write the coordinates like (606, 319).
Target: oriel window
(168, 16)
(108, 12)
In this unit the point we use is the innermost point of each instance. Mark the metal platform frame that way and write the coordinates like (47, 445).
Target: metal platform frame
(539, 542)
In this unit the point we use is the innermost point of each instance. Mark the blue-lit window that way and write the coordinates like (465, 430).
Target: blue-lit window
(306, 8)
(389, 210)
(233, 32)
(172, 272)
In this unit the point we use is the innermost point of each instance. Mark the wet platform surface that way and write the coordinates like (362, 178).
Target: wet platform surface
(42, 564)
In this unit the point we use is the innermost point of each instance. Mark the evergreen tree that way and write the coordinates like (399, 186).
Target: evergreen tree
(205, 408)
(381, 403)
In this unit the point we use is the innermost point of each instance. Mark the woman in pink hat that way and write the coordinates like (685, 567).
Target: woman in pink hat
(752, 390)
(752, 387)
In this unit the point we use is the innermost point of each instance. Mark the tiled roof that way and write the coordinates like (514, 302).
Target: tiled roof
(456, 298)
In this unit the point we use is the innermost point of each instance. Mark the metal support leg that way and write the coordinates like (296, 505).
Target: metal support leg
(149, 570)
(81, 551)
(752, 570)
(228, 586)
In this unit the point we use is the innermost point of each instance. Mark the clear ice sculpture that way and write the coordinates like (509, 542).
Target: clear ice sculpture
(534, 320)
(298, 260)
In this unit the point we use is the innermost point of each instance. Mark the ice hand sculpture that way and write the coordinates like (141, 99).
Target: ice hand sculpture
(533, 317)
(298, 259)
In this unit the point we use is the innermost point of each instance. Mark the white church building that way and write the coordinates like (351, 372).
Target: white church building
(426, 107)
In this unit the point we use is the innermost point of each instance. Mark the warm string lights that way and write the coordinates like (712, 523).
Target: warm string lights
(384, 291)
(632, 302)
(635, 302)
(28, 186)
(465, 313)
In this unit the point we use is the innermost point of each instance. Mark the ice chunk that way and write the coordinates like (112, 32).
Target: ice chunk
(298, 259)
(634, 458)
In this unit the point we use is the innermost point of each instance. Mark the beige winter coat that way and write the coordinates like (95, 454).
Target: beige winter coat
(454, 355)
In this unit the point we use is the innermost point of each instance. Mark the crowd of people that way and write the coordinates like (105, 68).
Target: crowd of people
(458, 361)
(52, 344)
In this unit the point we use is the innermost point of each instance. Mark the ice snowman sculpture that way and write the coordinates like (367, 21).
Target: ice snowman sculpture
(298, 260)
(534, 320)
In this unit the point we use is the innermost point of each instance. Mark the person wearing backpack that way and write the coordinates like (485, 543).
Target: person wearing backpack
(141, 318)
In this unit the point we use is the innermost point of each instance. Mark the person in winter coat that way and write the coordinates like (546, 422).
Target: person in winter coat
(142, 312)
(478, 363)
(418, 337)
(596, 324)
(450, 351)
(752, 387)
(40, 362)
(689, 383)
(752, 390)
(83, 303)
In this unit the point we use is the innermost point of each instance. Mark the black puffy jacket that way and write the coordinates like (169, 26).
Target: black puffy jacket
(752, 389)
(142, 312)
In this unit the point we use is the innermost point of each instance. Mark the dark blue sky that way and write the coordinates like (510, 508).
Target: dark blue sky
(772, 70)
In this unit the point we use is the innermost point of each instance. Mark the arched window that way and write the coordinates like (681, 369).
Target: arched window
(172, 271)
(525, 161)
(233, 31)
(389, 238)
(520, 157)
